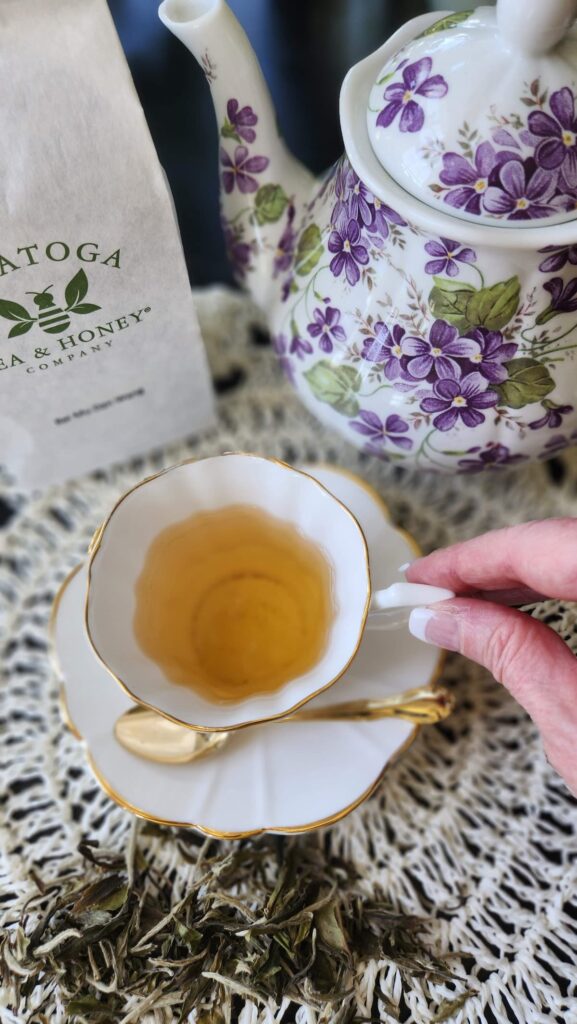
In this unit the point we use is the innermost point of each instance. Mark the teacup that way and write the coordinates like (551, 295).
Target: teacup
(121, 545)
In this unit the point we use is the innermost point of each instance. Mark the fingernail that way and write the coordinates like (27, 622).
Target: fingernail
(404, 566)
(433, 627)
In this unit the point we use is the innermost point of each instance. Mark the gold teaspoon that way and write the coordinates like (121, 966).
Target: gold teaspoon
(155, 738)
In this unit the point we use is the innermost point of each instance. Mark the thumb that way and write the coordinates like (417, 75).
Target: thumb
(525, 655)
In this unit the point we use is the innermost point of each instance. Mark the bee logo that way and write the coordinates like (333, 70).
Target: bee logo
(51, 318)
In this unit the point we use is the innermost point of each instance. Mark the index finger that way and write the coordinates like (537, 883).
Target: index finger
(540, 557)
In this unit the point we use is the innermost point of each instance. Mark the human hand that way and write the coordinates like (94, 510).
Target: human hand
(514, 566)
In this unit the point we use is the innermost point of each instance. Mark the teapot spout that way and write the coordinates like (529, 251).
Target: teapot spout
(262, 184)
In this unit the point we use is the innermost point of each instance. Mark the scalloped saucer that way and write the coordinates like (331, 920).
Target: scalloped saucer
(280, 777)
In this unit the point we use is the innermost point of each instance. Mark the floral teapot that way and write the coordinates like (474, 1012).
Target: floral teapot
(422, 295)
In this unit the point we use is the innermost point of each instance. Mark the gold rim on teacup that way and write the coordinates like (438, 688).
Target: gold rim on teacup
(246, 833)
(95, 548)
(109, 789)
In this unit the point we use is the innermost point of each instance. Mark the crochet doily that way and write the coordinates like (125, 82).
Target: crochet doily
(472, 817)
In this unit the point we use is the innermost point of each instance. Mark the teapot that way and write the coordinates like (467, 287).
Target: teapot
(422, 294)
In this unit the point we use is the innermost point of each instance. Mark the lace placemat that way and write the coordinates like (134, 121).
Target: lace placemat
(472, 818)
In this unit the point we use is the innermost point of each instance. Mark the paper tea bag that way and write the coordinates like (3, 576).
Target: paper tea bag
(100, 352)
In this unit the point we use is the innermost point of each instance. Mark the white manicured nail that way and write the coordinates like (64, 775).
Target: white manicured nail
(440, 628)
(418, 621)
(404, 566)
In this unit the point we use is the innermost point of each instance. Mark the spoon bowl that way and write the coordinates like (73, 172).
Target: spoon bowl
(155, 738)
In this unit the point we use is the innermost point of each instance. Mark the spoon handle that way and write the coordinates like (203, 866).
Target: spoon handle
(151, 736)
(421, 705)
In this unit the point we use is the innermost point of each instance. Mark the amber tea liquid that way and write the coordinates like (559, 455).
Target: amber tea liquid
(233, 603)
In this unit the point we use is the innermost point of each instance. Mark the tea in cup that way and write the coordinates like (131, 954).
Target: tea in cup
(231, 590)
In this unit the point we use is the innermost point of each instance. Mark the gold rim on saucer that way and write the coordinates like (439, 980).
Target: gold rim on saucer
(213, 833)
(95, 547)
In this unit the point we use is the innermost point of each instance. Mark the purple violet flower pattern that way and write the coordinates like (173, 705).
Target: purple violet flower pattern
(359, 199)
(300, 347)
(552, 417)
(355, 202)
(447, 256)
(242, 120)
(326, 327)
(524, 173)
(286, 245)
(557, 257)
(436, 355)
(557, 444)
(557, 131)
(523, 192)
(239, 170)
(493, 353)
(400, 96)
(447, 377)
(349, 252)
(239, 252)
(286, 288)
(280, 346)
(469, 181)
(563, 298)
(378, 432)
(493, 456)
(464, 399)
(391, 348)
(383, 215)
(342, 178)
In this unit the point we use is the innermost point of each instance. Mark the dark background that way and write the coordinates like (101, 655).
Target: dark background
(305, 48)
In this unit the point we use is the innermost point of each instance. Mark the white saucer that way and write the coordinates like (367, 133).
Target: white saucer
(281, 777)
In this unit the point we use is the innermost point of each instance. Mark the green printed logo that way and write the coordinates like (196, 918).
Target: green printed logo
(50, 318)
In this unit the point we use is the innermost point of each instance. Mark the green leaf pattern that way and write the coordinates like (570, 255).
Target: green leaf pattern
(461, 304)
(21, 328)
(13, 311)
(494, 307)
(337, 385)
(270, 203)
(76, 289)
(74, 292)
(528, 381)
(466, 307)
(447, 23)
(449, 301)
(309, 250)
(84, 308)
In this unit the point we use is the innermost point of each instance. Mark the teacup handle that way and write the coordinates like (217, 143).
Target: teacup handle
(391, 607)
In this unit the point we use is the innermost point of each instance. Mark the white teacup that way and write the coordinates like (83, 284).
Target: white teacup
(121, 545)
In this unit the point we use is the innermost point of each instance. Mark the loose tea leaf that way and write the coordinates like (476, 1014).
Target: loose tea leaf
(261, 920)
(330, 928)
(107, 894)
(450, 1007)
(97, 1011)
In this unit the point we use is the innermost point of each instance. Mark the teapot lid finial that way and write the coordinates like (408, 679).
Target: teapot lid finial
(535, 26)
(478, 113)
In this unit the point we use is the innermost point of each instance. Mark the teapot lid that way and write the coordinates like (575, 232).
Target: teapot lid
(477, 114)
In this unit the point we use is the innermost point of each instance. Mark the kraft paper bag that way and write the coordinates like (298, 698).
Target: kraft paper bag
(100, 352)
